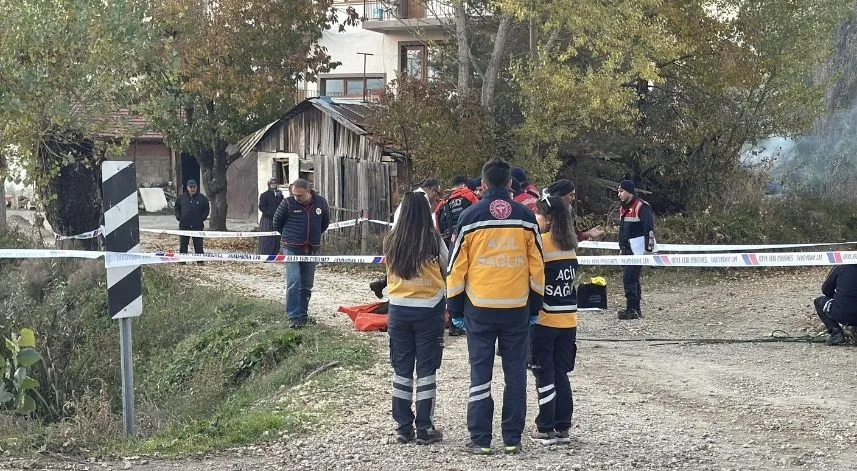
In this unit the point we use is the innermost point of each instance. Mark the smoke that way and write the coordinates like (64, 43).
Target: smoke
(825, 161)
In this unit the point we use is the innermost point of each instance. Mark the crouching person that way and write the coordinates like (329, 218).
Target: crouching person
(838, 304)
(416, 288)
(553, 332)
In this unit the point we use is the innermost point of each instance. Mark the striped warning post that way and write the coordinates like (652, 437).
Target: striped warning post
(124, 284)
(122, 234)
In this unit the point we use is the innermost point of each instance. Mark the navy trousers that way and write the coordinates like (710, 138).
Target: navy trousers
(508, 329)
(416, 341)
(554, 352)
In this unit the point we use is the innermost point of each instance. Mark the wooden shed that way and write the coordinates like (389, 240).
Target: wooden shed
(324, 140)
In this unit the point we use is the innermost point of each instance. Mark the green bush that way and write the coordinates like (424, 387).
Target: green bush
(787, 219)
(201, 354)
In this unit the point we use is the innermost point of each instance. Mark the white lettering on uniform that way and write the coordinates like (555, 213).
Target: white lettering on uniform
(506, 243)
(500, 261)
(566, 274)
(555, 290)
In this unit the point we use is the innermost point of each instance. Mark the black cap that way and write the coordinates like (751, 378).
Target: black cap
(191, 183)
(519, 174)
(628, 186)
(560, 187)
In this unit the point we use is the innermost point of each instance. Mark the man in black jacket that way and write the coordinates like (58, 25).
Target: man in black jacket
(269, 201)
(838, 303)
(636, 237)
(301, 218)
(191, 211)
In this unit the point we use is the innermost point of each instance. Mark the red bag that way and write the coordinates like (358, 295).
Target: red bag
(373, 317)
(366, 317)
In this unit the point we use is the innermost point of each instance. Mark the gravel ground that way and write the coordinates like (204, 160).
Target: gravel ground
(638, 404)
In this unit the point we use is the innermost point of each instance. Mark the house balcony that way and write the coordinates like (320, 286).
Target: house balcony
(406, 15)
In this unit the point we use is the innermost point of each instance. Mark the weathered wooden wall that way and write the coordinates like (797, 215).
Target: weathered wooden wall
(353, 184)
(316, 133)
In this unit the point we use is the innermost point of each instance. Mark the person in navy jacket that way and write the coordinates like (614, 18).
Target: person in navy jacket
(301, 219)
(837, 305)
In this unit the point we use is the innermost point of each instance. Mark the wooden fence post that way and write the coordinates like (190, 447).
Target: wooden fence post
(364, 233)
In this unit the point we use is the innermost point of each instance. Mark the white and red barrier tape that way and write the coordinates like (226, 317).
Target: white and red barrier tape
(86, 235)
(781, 259)
(589, 244)
(243, 234)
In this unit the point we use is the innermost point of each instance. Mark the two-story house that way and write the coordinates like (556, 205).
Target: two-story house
(394, 37)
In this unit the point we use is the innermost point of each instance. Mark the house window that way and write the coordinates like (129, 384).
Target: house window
(281, 171)
(414, 60)
(352, 87)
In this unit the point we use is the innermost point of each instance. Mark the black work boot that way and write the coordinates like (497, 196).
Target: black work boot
(630, 312)
(377, 287)
(836, 338)
(429, 436)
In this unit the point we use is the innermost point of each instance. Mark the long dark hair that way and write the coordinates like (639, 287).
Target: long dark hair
(414, 240)
(561, 223)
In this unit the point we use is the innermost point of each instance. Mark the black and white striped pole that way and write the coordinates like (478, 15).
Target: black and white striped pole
(124, 285)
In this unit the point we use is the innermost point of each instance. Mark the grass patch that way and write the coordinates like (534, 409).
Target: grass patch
(260, 410)
(207, 361)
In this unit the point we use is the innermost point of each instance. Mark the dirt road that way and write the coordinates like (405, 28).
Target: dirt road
(638, 404)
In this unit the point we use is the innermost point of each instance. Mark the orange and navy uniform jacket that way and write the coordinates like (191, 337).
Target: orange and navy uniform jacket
(450, 211)
(496, 262)
(636, 219)
(559, 309)
(426, 290)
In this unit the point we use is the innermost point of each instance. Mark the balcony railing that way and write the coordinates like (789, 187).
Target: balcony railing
(302, 95)
(384, 10)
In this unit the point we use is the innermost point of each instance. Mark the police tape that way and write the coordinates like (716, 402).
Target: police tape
(245, 234)
(590, 244)
(43, 253)
(113, 260)
(781, 259)
(211, 234)
(86, 235)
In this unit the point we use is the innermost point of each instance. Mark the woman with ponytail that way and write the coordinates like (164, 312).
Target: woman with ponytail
(416, 286)
(553, 332)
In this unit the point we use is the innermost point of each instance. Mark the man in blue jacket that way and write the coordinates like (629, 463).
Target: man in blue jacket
(838, 303)
(301, 219)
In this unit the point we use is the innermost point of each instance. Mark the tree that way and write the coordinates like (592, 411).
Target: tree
(66, 67)
(439, 133)
(237, 64)
(2, 192)
(674, 88)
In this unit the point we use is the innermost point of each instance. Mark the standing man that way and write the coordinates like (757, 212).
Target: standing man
(460, 199)
(565, 190)
(636, 237)
(191, 212)
(496, 283)
(301, 219)
(269, 201)
(527, 187)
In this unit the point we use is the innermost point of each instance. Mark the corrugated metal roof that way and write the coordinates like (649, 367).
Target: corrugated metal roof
(350, 113)
(247, 143)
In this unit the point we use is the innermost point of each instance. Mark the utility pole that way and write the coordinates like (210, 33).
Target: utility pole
(364, 54)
